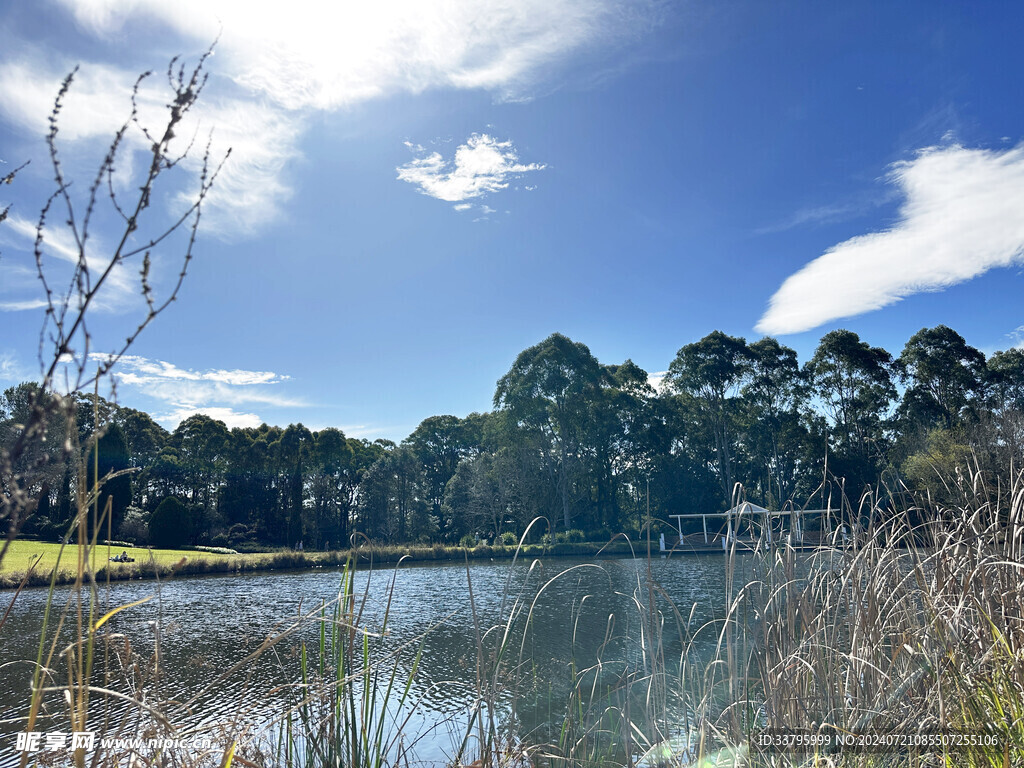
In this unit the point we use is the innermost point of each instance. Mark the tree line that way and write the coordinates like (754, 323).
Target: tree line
(585, 445)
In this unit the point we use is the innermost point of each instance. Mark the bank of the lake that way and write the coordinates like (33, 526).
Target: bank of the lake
(32, 563)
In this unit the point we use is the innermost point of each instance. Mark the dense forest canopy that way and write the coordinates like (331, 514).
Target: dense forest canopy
(584, 445)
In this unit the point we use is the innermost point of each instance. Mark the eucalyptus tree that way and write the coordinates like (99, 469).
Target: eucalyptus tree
(41, 460)
(1004, 413)
(330, 477)
(145, 438)
(293, 451)
(945, 378)
(440, 443)
(392, 505)
(679, 459)
(203, 445)
(854, 383)
(1004, 376)
(473, 500)
(252, 489)
(109, 457)
(614, 438)
(710, 374)
(776, 436)
(548, 392)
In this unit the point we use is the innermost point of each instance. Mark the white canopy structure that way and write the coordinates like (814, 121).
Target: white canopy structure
(749, 511)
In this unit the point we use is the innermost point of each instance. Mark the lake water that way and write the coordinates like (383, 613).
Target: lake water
(208, 625)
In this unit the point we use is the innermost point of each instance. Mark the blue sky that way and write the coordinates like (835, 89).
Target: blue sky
(418, 191)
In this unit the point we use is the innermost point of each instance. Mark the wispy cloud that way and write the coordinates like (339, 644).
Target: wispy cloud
(328, 56)
(10, 368)
(1016, 336)
(286, 65)
(186, 391)
(262, 139)
(961, 216)
(481, 166)
(229, 416)
(122, 288)
(21, 306)
(142, 370)
(831, 213)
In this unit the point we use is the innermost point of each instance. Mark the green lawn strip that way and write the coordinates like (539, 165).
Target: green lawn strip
(23, 553)
(149, 562)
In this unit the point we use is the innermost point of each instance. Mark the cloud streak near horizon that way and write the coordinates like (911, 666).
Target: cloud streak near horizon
(214, 392)
(960, 217)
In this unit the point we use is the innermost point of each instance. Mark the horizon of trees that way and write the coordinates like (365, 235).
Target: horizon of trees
(570, 439)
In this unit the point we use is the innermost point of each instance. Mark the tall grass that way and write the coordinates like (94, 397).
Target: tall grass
(353, 693)
(907, 627)
(915, 628)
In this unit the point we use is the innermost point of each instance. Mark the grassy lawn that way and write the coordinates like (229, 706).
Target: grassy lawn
(167, 562)
(23, 553)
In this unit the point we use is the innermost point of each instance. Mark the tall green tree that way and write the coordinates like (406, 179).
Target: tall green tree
(945, 378)
(854, 383)
(776, 436)
(293, 451)
(109, 457)
(330, 477)
(145, 439)
(549, 391)
(439, 444)
(392, 504)
(612, 441)
(711, 373)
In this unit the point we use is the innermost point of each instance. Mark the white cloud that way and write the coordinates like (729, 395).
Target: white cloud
(314, 56)
(21, 306)
(215, 392)
(961, 216)
(142, 370)
(263, 140)
(121, 289)
(656, 379)
(482, 165)
(229, 416)
(325, 56)
(1017, 337)
(368, 432)
(10, 368)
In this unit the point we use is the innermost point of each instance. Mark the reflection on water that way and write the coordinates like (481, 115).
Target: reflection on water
(207, 626)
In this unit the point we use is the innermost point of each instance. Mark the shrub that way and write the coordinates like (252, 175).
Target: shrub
(249, 547)
(219, 540)
(509, 539)
(574, 536)
(115, 543)
(469, 540)
(168, 527)
(239, 533)
(216, 550)
(134, 527)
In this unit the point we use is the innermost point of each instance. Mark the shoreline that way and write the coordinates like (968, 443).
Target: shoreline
(308, 561)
